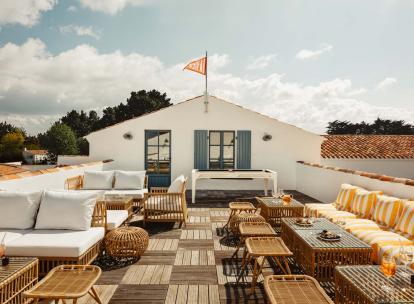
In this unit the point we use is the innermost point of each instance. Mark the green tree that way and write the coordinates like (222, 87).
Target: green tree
(11, 146)
(60, 140)
(5, 128)
(378, 127)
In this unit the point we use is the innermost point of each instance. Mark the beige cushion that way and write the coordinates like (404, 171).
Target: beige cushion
(115, 218)
(18, 209)
(66, 210)
(176, 185)
(137, 194)
(55, 243)
(98, 180)
(129, 179)
(8, 235)
(162, 202)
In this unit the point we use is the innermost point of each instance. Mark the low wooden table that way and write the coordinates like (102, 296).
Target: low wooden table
(274, 209)
(66, 282)
(20, 275)
(362, 284)
(119, 204)
(319, 258)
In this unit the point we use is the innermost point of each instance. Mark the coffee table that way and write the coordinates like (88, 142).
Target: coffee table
(274, 209)
(120, 203)
(362, 284)
(20, 275)
(319, 258)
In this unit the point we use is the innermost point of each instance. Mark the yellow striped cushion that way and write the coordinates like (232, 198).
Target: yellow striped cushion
(390, 247)
(312, 210)
(353, 225)
(363, 203)
(406, 221)
(345, 197)
(335, 215)
(387, 209)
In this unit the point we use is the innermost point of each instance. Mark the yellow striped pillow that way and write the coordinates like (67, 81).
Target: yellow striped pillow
(387, 209)
(363, 203)
(345, 197)
(406, 221)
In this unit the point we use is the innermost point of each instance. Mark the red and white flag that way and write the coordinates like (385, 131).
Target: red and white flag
(198, 66)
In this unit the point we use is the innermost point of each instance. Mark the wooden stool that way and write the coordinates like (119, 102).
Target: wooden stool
(66, 282)
(239, 218)
(250, 229)
(126, 242)
(259, 248)
(239, 207)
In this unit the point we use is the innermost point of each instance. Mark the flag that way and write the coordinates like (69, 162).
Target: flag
(198, 66)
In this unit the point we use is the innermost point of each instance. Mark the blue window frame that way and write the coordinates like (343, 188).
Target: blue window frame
(158, 151)
(221, 150)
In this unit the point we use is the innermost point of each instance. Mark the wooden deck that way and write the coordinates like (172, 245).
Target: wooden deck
(187, 265)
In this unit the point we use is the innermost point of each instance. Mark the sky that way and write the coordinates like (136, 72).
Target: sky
(302, 62)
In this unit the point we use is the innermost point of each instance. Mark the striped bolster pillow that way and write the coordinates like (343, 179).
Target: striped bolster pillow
(406, 221)
(387, 210)
(345, 197)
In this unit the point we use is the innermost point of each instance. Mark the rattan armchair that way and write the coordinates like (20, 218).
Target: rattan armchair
(163, 206)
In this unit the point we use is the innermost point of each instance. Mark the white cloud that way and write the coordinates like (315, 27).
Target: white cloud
(38, 87)
(79, 30)
(261, 62)
(72, 8)
(24, 12)
(110, 6)
(313, 54)
(386, 83)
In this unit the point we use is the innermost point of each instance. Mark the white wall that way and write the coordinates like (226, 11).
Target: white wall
(392, 167)
(289, 143)
(49, 180)
(323, 184)
(72, 159)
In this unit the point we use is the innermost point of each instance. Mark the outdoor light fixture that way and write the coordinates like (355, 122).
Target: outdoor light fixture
(267, 137)
(127, 136)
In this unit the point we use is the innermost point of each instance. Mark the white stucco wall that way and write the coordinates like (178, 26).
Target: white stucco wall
(323, 184)
(288, 144)
(392, 167)
(72, 159)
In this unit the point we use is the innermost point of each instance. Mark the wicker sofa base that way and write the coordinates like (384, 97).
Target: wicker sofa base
(48, 263)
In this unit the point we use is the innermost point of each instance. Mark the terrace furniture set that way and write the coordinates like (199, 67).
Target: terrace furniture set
(274, 209)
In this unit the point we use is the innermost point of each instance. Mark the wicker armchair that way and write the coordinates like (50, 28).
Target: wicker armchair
(163, 206)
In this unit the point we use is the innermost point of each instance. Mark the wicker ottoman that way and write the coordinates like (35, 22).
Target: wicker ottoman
(126, 242)
(236, 219)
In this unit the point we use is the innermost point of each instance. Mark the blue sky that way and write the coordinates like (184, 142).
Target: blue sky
(304, 62)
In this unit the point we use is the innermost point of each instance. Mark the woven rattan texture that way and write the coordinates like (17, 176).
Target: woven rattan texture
(126, 242)
(320, 223)
(256, 229)
(347, 240)
(236, 219)
(267, 246)
(242, 206)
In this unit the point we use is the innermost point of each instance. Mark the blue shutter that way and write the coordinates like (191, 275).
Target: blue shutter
(244, 147)
(200, 149)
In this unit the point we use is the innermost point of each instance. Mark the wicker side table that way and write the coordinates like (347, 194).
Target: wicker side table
(20, 275)
(126, 242)
(274, 209)
(236, 219)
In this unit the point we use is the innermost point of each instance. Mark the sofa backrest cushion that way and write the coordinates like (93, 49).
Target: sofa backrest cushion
(129, 180)
(387, 210)
(98, 180)
(71, 210)
(345, 197)
(405, 222)
(363, 203)
(18, 209)
(177, 185)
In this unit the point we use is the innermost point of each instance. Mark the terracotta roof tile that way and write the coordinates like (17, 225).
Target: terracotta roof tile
(10, 169)
(368, 146)
(37, 152)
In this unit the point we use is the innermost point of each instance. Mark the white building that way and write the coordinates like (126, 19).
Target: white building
(34, 157)
(184, 136)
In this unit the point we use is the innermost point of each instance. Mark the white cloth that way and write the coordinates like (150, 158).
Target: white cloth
(176, 185)
(8, 235)
(115, 218)
(18, 209)
(98, 180)
(129, 180)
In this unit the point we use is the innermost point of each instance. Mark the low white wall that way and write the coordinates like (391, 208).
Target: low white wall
(48, 180)
(393, 167)
(72, 159)
(323, 184)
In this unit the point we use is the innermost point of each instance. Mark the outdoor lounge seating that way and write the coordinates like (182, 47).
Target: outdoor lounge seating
(167, 204)
(382, 221)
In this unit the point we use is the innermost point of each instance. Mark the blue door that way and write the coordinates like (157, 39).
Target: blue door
(158, 157)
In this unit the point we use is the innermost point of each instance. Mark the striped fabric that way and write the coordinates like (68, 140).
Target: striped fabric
(406, 221)
(391, 248)
(387, 210)
(363, 203)
(312, 210)
(353, 225)
(335, 215)
(345, 197)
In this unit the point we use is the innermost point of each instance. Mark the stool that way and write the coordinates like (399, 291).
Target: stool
(66, 282)
(251, 229)
(126, 242)
(259, 248)
(239, 207)
(236, 219)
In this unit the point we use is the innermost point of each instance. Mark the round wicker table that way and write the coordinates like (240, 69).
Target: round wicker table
(126, 242)
(236, 219)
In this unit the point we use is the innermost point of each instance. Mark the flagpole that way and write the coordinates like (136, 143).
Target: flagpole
(206, 93)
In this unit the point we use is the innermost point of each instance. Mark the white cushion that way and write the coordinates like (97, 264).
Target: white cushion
(129, 179)
(18, 209)
(114, 194)
(55, 243)
(8, 235)
(66, 210)
(98, 180)
(115, 218)
(176, 185)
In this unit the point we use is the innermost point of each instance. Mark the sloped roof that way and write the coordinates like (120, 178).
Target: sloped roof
(368, 146)
(37, 152)
(10, 169)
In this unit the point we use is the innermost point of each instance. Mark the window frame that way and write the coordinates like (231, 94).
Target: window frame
(158, 145)
(222, 145)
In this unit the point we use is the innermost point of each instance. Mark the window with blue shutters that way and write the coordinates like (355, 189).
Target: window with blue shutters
(221, 150)
(244, 138)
